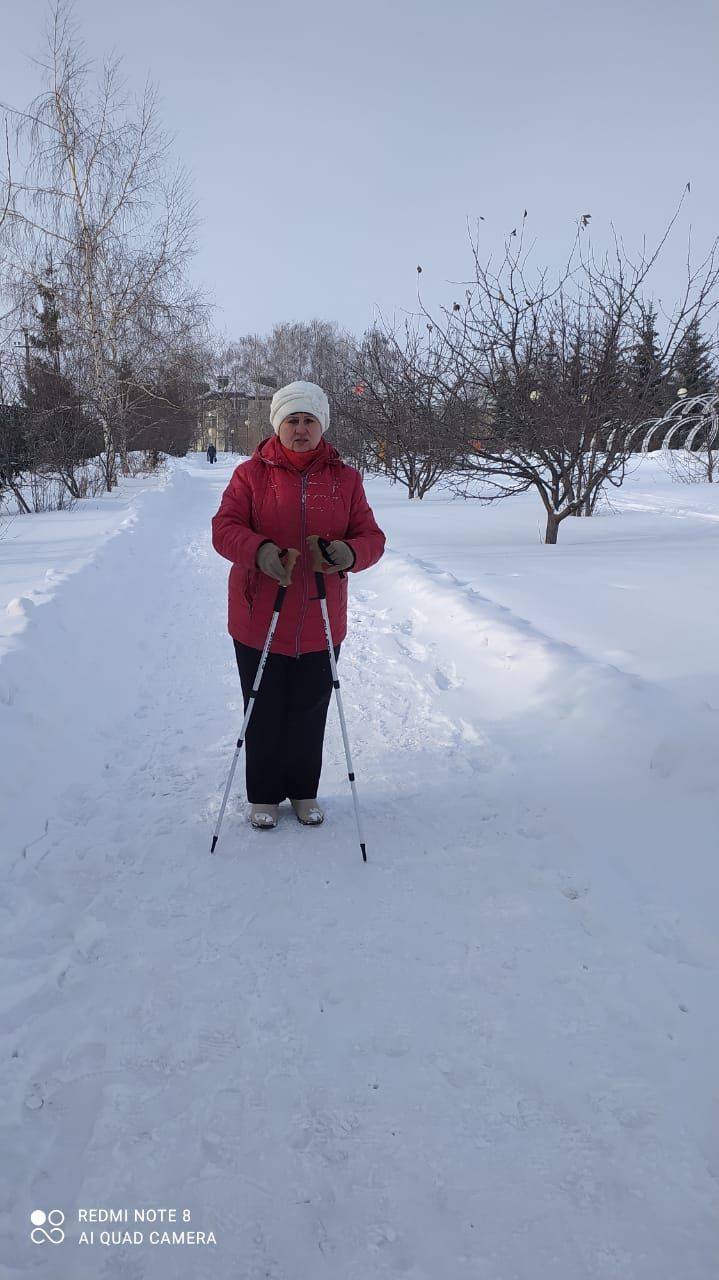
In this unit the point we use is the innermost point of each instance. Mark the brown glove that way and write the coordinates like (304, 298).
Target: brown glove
(275, 563)
(331, 557)
(340, 556)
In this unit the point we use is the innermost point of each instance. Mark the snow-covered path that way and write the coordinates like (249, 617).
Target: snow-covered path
(486, 1055)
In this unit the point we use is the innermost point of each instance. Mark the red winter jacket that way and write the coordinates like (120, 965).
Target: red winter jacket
(269, 498)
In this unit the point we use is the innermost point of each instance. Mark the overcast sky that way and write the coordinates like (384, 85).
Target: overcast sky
(334, 146)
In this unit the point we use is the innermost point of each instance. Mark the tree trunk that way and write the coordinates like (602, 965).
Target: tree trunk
(550, 536)
(69, 480)
(22, 504)
(121, 446)
(109, 467)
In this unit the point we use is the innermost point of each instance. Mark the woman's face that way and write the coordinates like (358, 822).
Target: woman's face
(300, 432)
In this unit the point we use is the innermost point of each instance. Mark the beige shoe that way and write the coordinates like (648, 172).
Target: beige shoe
(264, 816)
(308, 812)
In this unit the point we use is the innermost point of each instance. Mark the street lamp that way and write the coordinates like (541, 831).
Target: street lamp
(682, 392)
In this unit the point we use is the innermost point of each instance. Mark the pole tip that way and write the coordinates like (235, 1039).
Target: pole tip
(214, 844)
(364, 853)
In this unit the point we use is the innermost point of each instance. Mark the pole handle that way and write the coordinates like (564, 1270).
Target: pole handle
(318, 552)
(290, 556)
(323, 544)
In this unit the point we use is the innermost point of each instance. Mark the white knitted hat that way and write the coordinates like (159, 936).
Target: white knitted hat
(299, 397)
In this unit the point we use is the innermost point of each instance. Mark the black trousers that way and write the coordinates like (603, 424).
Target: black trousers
(283, 746)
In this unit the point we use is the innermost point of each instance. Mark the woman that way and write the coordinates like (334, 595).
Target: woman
(294, 486)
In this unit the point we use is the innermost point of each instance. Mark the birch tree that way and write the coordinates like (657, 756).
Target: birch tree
(98, 192)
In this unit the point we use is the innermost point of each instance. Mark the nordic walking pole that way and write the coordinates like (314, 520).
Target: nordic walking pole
(279, 600)
(317, 558)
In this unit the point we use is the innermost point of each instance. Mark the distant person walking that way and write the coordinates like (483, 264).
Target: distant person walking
(295, 486)
(211, 453)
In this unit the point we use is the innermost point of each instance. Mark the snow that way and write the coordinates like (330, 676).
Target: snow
(38, 553)
(490, 1052)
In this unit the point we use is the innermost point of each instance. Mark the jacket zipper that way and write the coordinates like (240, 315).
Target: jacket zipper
(303, 526)
(304, 476)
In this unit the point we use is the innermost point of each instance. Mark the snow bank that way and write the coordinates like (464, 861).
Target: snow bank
(488, 1052)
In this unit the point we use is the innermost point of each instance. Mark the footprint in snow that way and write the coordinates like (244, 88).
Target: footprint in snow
(443, 681)
(572, 892)
(34, 1098)
(218, 1043)
(415, 652)
(534, 831)
(663, 941)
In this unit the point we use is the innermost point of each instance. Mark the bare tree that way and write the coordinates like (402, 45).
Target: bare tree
(13, 454)
(162, 413)
(98, 193)
(550, 370)
(316, 351)
(406, 398)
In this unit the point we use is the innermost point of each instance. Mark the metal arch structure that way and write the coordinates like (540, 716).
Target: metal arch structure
(698, 414)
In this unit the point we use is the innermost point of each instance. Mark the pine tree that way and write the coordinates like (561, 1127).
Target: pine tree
(647, 369)
(694, 364)
(57, 432)
(46, 394)
(49, 338)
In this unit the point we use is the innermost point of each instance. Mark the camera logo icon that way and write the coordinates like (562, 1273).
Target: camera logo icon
(54, 1220)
